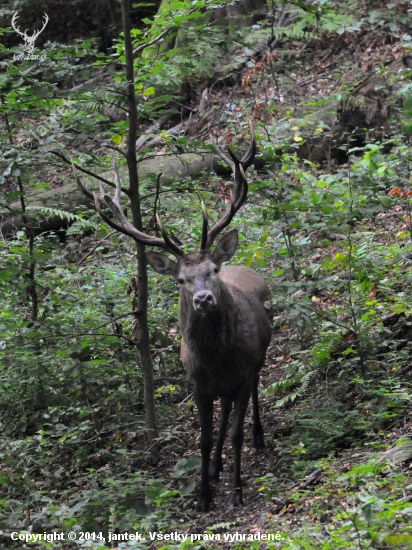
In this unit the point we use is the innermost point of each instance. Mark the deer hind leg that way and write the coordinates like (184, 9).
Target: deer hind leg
(205, 407)
(241, 403)
(216, 465)
(258, 437)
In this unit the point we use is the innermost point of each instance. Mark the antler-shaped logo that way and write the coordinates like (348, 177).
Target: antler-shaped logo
(29, 40)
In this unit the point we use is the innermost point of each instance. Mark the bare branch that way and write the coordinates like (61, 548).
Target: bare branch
(114, 148)
(147, 44)
(118, 191)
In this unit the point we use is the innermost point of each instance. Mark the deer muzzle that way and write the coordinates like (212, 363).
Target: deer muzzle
(204, 300)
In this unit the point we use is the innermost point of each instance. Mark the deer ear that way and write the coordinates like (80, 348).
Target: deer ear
(162, 264)
(225, 248)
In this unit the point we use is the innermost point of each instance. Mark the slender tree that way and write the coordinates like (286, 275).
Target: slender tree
(134, 196)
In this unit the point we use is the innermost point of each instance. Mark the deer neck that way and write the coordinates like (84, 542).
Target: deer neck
(212, 329)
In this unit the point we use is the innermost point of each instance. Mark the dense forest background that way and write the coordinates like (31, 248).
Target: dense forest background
(99, 432)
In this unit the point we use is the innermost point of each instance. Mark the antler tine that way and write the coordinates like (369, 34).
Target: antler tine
(221, 224)
(104, 216)
(204, 228)
(240, 186)
(250, 154)
(124, 226)
(222, 155)
(240, 190)
(139, 236)
(116, 198)
(247, 158)
(13, 24)
(174, 248)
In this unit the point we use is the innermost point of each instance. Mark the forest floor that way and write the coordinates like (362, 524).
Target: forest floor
(282, 494)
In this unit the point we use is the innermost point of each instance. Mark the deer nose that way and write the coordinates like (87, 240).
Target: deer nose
(203, 300)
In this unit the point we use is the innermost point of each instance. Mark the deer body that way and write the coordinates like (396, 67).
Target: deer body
(216, 345)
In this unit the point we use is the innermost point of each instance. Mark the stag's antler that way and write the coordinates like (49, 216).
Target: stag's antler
(247, 158)
(125, 226)
(237, 198)
(239, 194)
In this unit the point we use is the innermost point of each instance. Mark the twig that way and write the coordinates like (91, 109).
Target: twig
(309, 480)
(311, 79)
(147, 44)
(185, 399)
(169, 379)
(157, 194)
(118, 149)
(111, 430)
(94, 248)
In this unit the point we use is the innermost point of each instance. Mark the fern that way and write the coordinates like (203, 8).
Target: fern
(289, 398)
(282, 385)
(304, 383)
(51, 212)
(305, 27)
(295, 31)
(80, 224)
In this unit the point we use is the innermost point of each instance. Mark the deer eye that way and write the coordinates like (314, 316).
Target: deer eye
(216, 270)
(180, 280)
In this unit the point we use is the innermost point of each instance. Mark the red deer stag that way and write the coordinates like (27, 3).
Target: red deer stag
(225, 327)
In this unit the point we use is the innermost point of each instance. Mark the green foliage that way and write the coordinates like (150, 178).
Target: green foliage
(78, 223)
(183, 471)
(70, 380)
(376, 516)
(71, 397)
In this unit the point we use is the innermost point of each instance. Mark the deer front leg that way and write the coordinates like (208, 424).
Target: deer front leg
(216, 465)
(258, 438)
(241, 403)
(205, 407)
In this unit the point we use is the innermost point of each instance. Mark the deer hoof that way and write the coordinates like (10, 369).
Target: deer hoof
(258, 441)
(238, 500)
(202, 504)
(258, 447)
(204, 498)
(214, 470)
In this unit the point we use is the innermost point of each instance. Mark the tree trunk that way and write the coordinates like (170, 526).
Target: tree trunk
(142, 324)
